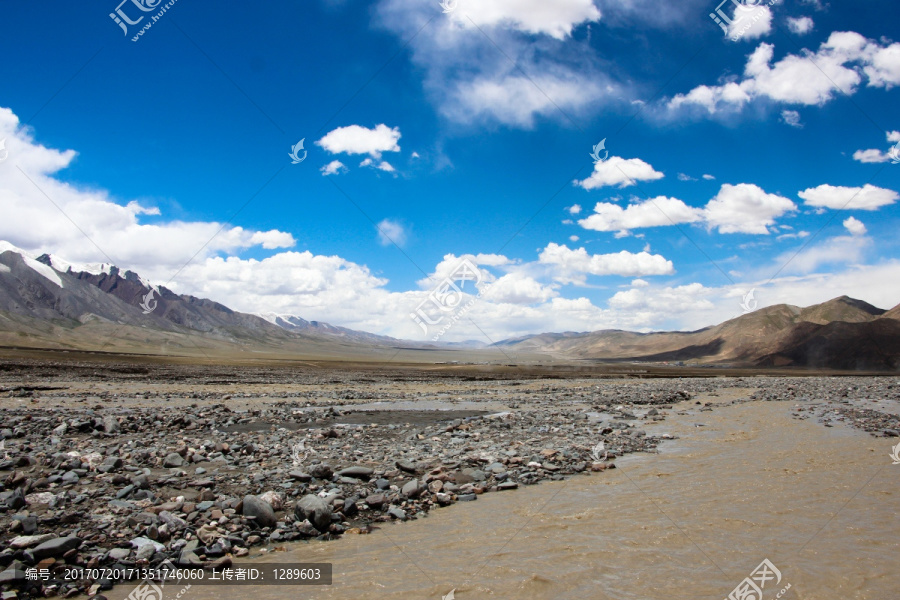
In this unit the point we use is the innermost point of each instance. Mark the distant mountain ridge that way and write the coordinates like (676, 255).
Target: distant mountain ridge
(46, 301)
(842, 333)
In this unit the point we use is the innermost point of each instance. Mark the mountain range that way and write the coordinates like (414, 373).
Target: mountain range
(47, 302)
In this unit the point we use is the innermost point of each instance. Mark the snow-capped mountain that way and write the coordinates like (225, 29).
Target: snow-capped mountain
(47, 298)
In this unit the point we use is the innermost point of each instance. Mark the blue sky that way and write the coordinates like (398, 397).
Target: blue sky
(463, 134)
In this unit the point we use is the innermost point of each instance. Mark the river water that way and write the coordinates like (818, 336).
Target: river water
(691, 522)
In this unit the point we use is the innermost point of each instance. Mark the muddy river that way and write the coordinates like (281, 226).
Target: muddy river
(741, 484)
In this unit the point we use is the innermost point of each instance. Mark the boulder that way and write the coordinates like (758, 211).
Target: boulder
(254, 506)
(316, 510)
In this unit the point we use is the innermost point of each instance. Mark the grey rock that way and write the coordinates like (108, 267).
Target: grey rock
(174, 522)
(397, 513)
(405, 465)
(467, 497)
(412, 489)
(119, 553)
(321, 471)
(254, 506)
(356, 472)
(443, 499)
(300, 476)
(16, 500)
(376, 501)
(55, 547)
(315, 509)
(173, 460)
(15, 572)
(27, 541)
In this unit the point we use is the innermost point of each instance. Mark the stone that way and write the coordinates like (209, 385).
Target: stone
(412, 489)
(357, 472)
(321, 471)
(274, 499)
(443, 499)
(467, 497)
(300, 476)
(27, 541)
(15, 572)
(254, 506)
(397, 513)
(173, 522)
(173, 460)
(405, 465)
(55, 547)
(508, 485)
(350, 508)
(17, 500)
(316, 510)
(119, 553)
(376, 501)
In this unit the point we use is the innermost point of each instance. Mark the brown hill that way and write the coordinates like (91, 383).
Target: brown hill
(842, 333)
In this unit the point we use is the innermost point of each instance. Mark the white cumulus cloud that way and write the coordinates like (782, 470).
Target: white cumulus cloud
(619, 171)
(835, 197)
(745, 208)
(572, 266)
(800, 25)
(333, 168)
(855, 226)
(843, 61)
(391, 232)
(656, 212)
(356, 139)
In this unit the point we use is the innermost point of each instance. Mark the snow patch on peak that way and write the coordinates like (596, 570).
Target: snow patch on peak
(43, 270)
(270, 317)
(6, 246)
(63, 266)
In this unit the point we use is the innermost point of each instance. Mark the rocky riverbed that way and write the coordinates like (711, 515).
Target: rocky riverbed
(117, 469)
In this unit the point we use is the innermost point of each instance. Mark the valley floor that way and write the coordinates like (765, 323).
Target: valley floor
(129, 465)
